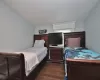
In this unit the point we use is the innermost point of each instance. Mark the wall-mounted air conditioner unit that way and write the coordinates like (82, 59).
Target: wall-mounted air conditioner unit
(62, 26)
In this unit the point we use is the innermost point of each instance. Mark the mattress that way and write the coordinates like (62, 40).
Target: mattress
(40, 52)
(81, 53)
(33, 56)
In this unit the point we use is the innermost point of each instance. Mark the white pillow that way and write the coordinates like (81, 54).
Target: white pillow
(39, 43)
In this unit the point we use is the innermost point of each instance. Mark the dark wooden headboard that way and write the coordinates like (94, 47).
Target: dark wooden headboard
(76, 35)
(66, 36)
(40, 37)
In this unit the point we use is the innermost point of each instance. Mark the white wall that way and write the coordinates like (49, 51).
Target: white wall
(79, 26)
(92, 27)
(48, 27)
(15, 33)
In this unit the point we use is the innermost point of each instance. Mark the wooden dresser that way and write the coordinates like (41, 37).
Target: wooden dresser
(56, 54)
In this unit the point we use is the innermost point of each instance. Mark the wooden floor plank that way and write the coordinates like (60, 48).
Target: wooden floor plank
(52, 71)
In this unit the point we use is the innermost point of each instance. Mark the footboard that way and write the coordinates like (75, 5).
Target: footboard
(12, 66)
(83, 69)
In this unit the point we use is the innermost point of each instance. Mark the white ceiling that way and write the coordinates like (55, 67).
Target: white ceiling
(43, 12)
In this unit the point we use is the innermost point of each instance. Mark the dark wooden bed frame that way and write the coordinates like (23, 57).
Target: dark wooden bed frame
(83, 69)
(10, 59)
(20, 74)
(78, 69)
(80, 35)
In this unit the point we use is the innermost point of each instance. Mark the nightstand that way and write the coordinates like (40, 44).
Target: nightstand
(56, 54)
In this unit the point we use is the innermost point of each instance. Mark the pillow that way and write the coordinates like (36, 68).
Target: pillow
(39, 43)
(73, 42)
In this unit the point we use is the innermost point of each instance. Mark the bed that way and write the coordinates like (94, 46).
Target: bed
(23, 65)
(33, 56)
(81, 63)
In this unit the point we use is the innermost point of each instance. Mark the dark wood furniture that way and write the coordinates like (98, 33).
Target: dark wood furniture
(75, 35)
(39, 37)
(14, 67)
(80, 35)
(56, 54)
(83, 69)
(12, 61)
(45, 38)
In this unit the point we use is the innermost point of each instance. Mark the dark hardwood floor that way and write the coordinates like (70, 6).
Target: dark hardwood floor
(52, 71)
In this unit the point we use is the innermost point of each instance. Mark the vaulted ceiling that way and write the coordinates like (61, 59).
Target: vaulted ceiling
(43, 12)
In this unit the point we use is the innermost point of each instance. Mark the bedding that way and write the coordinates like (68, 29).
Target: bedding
(81, 53)
(82, 64)
(73, 42)
(39, 43)
(33, 56)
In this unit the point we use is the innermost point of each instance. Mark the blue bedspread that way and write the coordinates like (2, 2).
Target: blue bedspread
(81, 53)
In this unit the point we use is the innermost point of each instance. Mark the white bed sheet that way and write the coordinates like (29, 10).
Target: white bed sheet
(33, 56)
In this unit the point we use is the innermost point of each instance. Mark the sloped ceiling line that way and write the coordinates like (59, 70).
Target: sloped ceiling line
(17, 13)
(43, 12)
